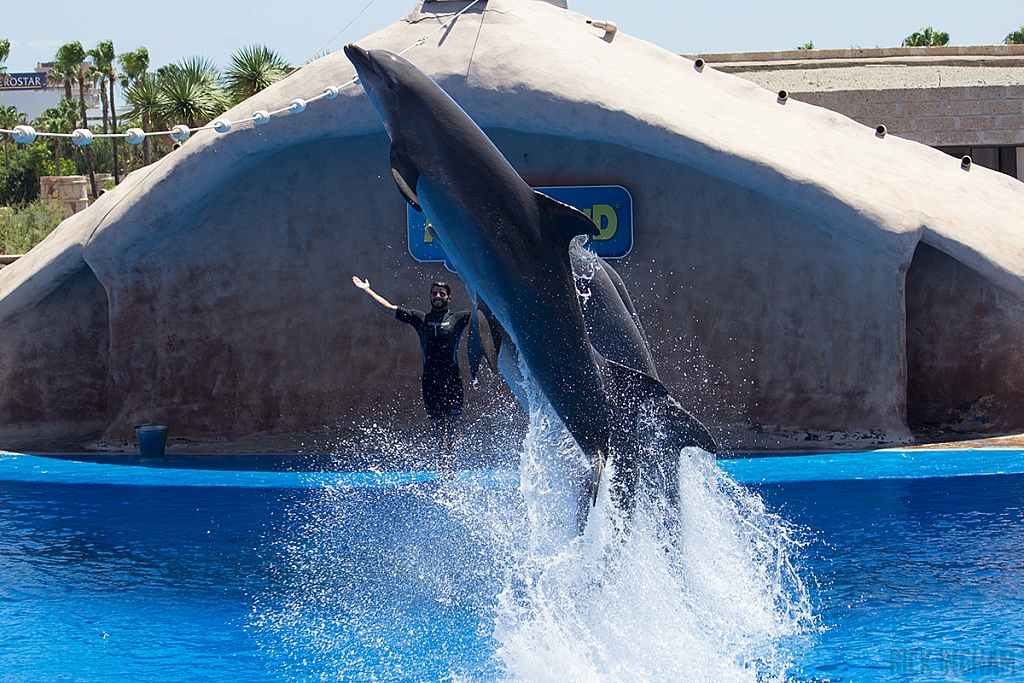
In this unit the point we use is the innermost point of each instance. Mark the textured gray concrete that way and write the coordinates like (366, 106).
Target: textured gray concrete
(771, 249)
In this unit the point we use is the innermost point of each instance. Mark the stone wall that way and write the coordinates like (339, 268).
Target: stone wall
(71, 191)
(937, 117)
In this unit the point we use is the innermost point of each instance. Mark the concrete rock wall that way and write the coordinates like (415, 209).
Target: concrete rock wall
(965, 359)
(54, 371)
(772, 244)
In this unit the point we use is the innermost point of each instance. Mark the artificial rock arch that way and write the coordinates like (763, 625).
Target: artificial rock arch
(772, 245)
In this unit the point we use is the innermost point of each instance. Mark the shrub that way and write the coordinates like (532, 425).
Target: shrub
(23, 228)
(19, 185)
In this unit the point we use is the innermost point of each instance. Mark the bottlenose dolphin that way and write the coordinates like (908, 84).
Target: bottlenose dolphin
(662, 426)
(510, 245)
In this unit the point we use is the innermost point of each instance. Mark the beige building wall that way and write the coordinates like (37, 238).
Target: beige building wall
(963, 100)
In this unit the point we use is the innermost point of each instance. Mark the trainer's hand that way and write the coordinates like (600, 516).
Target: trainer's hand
(361, 284)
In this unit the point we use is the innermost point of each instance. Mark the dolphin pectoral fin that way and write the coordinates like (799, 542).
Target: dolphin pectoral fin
(474, 348)
(587, 497)
(596, 484)
(567, 221)
(405, 175)
(484, 344)
(487, 341)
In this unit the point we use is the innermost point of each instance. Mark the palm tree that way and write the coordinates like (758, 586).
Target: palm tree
(147, 105)
(71, 57)
(252, 69)
(103, 57)
(62, 74)
(5, 52)
(102, 62)
(59, 119)
(192, 92)
(134, 66)
(1014, 37)
(926, 37)
(9, 118)
(94, 77)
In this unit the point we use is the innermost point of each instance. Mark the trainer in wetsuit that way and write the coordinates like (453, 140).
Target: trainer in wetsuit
(439, 331)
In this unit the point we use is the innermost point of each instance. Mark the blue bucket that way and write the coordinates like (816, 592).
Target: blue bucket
(152, 440)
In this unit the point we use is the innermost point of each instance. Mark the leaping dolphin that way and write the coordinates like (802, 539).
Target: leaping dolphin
(511, 245)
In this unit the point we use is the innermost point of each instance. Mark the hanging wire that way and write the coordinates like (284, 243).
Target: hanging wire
(313, 56)
(25, 134)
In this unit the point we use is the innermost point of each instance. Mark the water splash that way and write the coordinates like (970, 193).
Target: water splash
(705, 592)
(462, 582)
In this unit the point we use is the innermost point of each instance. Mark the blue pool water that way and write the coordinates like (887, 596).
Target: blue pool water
(905, 567)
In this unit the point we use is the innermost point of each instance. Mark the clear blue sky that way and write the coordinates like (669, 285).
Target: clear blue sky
(173, 30)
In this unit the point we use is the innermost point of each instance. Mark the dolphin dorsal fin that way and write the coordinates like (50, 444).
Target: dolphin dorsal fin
(405, 175)
(568, 221)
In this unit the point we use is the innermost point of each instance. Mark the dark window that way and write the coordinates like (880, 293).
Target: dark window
(1002, 159)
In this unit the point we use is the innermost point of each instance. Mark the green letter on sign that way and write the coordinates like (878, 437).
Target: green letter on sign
(603, 213)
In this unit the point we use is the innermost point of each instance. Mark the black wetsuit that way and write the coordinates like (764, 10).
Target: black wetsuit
(439, 338)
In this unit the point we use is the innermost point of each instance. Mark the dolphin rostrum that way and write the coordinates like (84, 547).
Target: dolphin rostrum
(510, 245)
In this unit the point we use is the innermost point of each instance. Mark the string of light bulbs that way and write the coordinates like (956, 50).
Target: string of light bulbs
(25, 134)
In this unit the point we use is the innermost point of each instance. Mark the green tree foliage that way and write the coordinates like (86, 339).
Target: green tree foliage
(147, 106)
(104, 58)
(253, 68)
(809, 45)
(71, 59)
(103, 66)
(5, 52)
(134, 66)
(9, 118)
(192, 92)
(63, 74)
(18, 185)
(926, 37)
(24, 227)
(59, 119)
(1015, 37)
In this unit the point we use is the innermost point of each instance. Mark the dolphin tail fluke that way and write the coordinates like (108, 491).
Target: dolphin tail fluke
(567, 221)
(651, 428)
(682, 429)
(634, 387)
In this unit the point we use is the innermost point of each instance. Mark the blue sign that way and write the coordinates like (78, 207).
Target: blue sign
(609, 206)
(29, 81)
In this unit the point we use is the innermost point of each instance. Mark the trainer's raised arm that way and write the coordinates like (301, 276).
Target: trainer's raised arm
(377, 298)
